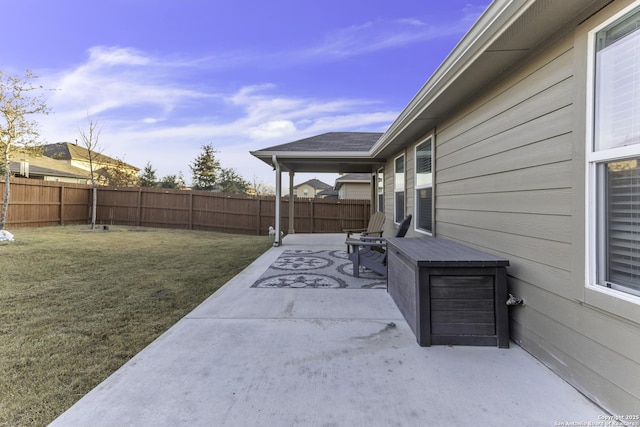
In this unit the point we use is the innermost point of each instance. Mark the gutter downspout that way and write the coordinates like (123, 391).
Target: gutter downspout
(277, 237)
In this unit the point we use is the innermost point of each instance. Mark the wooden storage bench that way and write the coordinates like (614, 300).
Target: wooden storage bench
(449, 293)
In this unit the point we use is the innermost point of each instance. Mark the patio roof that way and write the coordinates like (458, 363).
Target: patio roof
(339, 152)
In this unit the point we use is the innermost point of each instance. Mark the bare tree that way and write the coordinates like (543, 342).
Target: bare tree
(263, 189)
(91, 141)
(19, 99)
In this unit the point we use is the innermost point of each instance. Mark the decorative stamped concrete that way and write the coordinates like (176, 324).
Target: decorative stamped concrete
(317, 269)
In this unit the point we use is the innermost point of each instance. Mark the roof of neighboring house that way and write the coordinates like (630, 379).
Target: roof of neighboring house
(353, 178)
(69, 151)
(504, 34)
(44, 166)
(315, 183)
(329, 193)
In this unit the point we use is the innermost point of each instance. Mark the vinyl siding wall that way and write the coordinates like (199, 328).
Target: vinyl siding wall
(390, 227)
(509, 179)
(311, 191)
(352, 190)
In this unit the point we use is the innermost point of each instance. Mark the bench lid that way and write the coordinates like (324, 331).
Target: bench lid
(438, 252)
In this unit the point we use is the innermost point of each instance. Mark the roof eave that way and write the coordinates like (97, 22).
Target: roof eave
(320, 162)
(505, 33)
(492, 22)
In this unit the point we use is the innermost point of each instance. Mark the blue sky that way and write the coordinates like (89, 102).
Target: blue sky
(164, 77)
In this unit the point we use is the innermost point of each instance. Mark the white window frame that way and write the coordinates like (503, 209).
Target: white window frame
(419, 187)
(380, 189)
(597, 293)
(399, 187)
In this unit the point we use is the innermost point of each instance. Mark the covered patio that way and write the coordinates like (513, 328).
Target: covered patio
(333, 152)
(252, 356)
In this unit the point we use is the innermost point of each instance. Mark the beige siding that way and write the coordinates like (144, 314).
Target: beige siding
(300, 191)
(355, 191)
(509, 179)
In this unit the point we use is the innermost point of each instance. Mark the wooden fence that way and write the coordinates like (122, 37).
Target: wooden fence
(35, 203)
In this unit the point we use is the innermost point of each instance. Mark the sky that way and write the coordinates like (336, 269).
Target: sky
(165, 77)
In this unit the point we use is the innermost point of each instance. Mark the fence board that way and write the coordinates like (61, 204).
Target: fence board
(36, 203)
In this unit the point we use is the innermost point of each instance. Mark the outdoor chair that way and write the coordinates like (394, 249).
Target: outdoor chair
(374, 229)
(371, 252)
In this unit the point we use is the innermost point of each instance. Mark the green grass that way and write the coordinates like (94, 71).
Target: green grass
(77, 304)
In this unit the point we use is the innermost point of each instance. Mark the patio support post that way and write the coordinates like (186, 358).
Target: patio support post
(277, 237)
(374, 192)
(291, 201)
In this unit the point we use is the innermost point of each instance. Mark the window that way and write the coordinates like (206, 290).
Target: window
(614, 156)
(424, 187)
(305, 192)
(380, 189)
(398, 189)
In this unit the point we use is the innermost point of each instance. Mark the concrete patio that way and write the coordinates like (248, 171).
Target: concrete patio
(320, 357)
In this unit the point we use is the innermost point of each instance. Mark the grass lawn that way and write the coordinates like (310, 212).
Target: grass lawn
(76, 304)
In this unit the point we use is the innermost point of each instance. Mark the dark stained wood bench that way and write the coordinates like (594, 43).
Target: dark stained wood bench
(449, 293)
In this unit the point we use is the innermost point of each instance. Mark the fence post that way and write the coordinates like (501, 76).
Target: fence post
(365, 215)
(313, 215)
(258, 215)
(62, 204)
(139, 208)
(190, 211)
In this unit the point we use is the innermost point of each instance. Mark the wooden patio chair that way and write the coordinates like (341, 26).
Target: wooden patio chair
(371, 252)
(374, 229)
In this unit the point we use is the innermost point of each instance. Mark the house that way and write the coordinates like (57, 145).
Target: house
(47, 169)
(354, 186)
(525, 143)
(311, 188)
(329, 193)
(109, 171)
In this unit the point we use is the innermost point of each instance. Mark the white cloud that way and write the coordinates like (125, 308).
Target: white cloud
(385, 34)
(100, 56)
(140, 102)
(273, 129)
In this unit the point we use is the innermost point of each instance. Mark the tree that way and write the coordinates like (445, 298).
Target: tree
(263, 189)
(91, 141)
(118, 174)
(148, 176)
(180, 181)
(230, 182)
(19, 99)
(205, 169)
(169, 181)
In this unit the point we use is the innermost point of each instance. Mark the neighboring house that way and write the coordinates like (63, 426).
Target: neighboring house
(47, 169)
(354, 186)
(329, 193)
(311, 188)
(525, 143)
(109, 170)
